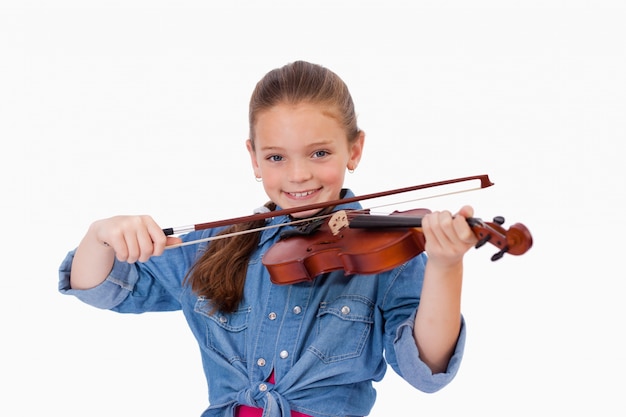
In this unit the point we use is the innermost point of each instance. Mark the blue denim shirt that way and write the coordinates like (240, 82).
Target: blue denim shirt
(325, 340)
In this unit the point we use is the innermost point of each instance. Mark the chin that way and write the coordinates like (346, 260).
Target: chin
(305, 214)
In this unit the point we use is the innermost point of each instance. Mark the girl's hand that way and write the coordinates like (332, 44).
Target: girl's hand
(448, 237)
(127, 238)
(132, 238)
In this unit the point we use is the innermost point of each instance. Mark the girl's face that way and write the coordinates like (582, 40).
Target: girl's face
(302, 153)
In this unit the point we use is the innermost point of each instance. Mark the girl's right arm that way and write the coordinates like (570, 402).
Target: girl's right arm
(129, 238)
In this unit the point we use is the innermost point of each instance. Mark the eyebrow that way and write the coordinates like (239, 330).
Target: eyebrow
(319, 144)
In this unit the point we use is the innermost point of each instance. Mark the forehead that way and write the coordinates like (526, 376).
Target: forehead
(300, 109)
(301, 120)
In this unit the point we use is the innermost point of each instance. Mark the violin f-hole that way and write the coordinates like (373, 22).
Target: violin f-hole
(322, 243)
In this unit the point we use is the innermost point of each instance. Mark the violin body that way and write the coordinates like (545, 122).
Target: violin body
(374, 244)
(356, 251)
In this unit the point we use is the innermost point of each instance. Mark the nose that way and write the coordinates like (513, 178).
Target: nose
(298, 172)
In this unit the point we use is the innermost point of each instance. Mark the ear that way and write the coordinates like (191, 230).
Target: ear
(356, 150)
(255, 163)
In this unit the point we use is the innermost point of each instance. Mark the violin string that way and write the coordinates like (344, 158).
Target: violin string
(308, 219)
(243, 232)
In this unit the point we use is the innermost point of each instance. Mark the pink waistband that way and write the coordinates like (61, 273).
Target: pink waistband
(247, 411)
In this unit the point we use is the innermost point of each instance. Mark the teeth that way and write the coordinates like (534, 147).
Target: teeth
(304, 194)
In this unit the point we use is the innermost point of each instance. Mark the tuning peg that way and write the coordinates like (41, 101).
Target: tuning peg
(498, 220)
(482, 241)
(500, 254)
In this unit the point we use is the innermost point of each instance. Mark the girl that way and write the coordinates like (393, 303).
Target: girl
(306, 349)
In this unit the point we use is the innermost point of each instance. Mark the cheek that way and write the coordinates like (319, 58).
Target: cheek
(333, 176)
(270, 177)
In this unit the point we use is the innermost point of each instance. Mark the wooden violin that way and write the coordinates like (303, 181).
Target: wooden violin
(360, 243)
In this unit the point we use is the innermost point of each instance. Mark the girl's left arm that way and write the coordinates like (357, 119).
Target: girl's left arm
(438, 319)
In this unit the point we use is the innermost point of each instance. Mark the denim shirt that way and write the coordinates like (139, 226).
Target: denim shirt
(326, 340)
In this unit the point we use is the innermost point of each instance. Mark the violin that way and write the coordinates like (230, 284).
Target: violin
(360, 243)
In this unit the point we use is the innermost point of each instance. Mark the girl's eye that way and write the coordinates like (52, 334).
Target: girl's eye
(320, 154)
(275, 158)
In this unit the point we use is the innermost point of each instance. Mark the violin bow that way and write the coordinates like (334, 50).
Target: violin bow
(484, 183)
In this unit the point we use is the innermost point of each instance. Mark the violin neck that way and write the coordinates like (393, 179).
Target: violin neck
(373, 222)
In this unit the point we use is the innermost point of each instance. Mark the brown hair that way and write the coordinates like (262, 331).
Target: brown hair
(220, 273)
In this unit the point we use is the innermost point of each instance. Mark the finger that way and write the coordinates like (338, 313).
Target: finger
(462, 231)
(433, 229)
(458, 234)
(449, 236)
(133, 247)
(172, 240)
(461, 226)
(151, 242)
(446, 233)
(465, 211)
(118, 244)
(157, 238)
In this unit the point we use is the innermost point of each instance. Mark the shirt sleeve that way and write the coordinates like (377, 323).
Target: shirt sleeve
(129, 288)
(401, 303)
(414, 370)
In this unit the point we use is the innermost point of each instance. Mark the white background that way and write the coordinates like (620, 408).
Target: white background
(119, 107)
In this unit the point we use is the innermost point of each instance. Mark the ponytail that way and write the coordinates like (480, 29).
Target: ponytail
(220, 273)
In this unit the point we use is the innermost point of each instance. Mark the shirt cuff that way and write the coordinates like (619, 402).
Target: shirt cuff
(111, 292)
(414, 370)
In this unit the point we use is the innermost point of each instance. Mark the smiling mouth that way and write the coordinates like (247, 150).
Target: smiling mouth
(301, 194)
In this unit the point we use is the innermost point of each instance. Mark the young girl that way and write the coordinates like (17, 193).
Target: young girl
(306, 349)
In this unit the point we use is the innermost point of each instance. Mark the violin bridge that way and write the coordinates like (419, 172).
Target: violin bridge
(338, 221)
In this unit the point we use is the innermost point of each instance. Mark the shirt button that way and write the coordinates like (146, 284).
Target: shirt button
(297, 310)
(262, 387)
(283, 354)
(272, 316)
(345, 310)
(260, 362)
(223, 319)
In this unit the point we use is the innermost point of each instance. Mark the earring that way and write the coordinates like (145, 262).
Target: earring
(258, 179)
(351, 170)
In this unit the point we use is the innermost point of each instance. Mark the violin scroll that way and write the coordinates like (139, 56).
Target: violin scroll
(515, 241)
